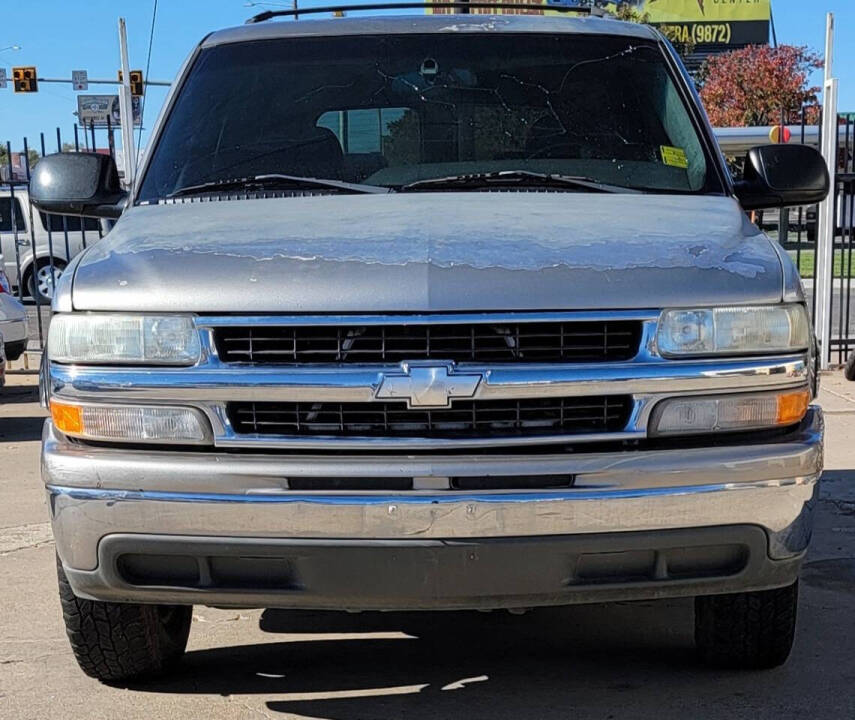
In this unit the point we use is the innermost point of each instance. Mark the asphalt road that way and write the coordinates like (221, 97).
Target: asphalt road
(600, 662)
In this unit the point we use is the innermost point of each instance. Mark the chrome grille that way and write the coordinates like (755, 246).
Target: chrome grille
(516, 342)
(464, 419)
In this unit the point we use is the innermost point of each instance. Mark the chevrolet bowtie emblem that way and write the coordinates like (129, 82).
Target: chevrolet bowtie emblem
(427, 385)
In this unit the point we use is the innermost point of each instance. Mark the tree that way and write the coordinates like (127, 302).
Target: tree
(760, 85)
(4, 158)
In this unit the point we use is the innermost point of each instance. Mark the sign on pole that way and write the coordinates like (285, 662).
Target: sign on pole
(2, 77)
(95, 109)
(80, 79)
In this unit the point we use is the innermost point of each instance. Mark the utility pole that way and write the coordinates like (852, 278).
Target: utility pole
(126, 110)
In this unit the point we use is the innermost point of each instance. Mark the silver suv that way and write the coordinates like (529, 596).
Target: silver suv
(425, 313)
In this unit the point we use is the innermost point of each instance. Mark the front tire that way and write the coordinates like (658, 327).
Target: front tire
(750, 630)
(123, 641)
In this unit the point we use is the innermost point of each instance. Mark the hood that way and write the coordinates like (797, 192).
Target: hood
(430, 252)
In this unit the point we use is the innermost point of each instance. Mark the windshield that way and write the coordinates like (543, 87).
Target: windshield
(395, 110)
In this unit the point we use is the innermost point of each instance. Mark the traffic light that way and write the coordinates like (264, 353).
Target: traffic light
(26, 79)
(136, 83)
(137, 89)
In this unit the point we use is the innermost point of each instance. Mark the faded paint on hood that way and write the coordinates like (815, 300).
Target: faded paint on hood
(430, 252)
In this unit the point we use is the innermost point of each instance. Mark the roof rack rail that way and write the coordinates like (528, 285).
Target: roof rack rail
(457, 4)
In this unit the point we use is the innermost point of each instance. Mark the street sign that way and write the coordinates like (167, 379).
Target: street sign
(2, 77)
(80, 79)
(95, 109)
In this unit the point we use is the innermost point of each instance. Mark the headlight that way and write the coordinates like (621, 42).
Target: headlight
(734, 330)
(123, 339)
(728, 413)
(130, 423)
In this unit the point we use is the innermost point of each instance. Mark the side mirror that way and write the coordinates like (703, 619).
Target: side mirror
(778, 176)
(77, 184)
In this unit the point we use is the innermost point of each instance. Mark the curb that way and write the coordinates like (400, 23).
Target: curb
(29, 362)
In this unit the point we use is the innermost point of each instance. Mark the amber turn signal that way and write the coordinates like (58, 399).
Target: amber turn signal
(67, 419)
(792, 407)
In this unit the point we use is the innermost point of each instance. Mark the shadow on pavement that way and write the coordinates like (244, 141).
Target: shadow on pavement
(19, 394)
(21, 429)
(454, 664)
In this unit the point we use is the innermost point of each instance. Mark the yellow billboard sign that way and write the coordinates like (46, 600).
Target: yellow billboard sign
(677, 11)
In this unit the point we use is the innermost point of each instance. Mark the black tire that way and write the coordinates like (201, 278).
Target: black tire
(849, 370)
(14, 350)
(751, 630)
(32, 284)
(123, 641)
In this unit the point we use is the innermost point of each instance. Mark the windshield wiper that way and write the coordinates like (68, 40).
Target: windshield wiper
(276, 180)
(521, 178)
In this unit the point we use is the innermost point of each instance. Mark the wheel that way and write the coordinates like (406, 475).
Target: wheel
(14, 350)
(123, 641)
(849, 370)
(39, 283)
(751, 630)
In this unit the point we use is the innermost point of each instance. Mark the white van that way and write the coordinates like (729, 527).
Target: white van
(50, 240)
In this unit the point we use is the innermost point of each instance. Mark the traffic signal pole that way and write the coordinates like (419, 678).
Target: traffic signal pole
(147, 83)
(126, 108)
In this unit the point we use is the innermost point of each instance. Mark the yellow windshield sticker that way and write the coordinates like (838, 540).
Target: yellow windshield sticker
(674, 156)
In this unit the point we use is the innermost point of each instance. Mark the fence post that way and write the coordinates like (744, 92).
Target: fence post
(13, 219)
(824, 285)
(33, 245)
(825, 226)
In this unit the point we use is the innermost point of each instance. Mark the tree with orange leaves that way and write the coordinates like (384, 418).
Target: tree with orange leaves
(758, 85)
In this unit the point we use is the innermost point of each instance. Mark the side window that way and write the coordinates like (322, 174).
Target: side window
(54, 223)
(6, 215)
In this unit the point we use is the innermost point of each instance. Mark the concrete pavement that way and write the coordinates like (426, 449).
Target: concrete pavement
(598, 662)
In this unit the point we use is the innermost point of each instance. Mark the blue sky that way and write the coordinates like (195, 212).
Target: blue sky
(59, 36)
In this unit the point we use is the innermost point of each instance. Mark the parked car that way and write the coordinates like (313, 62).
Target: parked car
(13, 320)
(427, 313)
(16, 242)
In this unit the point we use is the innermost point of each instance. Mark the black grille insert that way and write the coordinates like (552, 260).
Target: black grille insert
(464, 419)
(549, 342)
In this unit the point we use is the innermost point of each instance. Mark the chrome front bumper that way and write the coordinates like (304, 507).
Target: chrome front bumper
(98, 492)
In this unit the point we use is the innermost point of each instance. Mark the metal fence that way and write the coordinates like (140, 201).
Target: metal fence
(842, 318)
(796, 229)
(36, 246)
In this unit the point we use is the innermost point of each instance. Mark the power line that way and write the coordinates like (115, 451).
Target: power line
(147, 66)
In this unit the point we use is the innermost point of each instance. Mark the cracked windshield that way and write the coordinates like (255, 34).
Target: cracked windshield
(452, 111)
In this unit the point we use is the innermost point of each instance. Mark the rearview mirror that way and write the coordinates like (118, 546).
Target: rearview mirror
(782, 175)
(77, 184)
